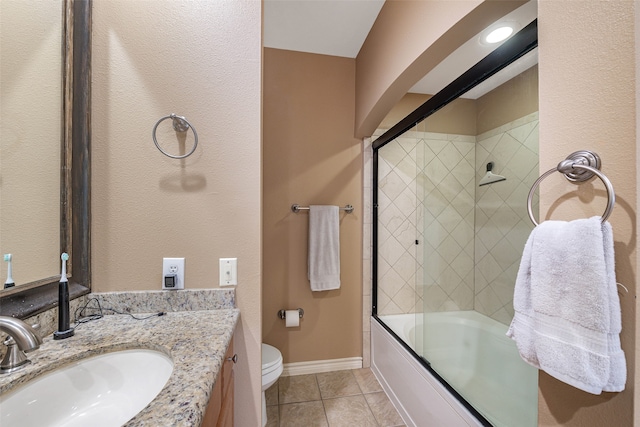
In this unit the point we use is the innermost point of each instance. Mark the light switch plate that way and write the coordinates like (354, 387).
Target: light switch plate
(228, 271)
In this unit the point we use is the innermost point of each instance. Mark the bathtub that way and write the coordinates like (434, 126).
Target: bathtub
(471, 352)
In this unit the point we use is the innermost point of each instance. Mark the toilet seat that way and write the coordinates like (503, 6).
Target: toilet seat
(271, 359)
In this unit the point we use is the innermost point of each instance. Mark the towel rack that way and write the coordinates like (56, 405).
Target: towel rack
(297, 208)
(578, 167)
(180, 124)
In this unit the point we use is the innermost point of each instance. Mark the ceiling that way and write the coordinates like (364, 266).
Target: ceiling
(340, 27)
(327, 27)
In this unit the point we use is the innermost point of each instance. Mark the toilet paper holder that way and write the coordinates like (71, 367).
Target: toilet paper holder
(281, 313)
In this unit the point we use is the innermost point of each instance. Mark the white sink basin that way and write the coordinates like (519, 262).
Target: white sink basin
(100, 391)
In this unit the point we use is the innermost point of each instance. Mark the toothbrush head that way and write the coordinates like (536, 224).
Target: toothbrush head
(63, 274)
(7, 257)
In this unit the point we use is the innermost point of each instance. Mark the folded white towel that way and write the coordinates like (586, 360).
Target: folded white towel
(567, 311)
(324, 248)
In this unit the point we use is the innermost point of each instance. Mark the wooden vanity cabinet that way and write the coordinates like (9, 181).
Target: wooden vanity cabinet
(219, 411)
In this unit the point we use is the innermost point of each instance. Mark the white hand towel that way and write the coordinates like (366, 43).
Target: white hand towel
(567, 311)
(324, 248)
(618, 374)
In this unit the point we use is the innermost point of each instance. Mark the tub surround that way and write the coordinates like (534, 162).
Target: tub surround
(196, 340)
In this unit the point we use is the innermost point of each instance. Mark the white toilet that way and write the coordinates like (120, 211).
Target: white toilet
(271, 371)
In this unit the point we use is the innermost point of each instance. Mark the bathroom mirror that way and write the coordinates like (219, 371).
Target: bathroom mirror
(73, 168)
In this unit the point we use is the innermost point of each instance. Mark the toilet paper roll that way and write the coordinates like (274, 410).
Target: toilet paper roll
(292, 318)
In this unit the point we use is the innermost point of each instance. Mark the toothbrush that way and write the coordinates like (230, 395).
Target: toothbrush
(64, 330)
(63, 275)
(9, 283)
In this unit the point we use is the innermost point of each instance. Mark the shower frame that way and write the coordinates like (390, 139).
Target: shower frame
(517, 46)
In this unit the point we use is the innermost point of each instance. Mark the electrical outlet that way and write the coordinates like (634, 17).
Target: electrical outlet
(228, 271)
(172, 273)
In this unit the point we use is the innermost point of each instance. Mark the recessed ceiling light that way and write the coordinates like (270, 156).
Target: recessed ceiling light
(499, 34)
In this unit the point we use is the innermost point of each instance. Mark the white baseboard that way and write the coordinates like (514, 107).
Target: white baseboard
(319, 366)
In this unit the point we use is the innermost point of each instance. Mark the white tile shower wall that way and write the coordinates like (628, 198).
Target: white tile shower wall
(428, 187)
(448, 197)
(398, 217)
(502, 224)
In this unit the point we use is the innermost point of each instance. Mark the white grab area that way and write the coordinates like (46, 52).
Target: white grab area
(471, 352)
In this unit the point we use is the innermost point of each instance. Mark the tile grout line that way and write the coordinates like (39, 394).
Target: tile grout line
(324, 408)
(279, 405)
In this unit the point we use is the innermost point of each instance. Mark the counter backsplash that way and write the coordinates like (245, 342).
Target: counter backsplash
(141, 302)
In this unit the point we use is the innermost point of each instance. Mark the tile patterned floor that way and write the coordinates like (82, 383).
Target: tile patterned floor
(331, 399)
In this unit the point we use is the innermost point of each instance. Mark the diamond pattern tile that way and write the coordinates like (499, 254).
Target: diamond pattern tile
(470, 237)
(392, 185)
(391, 218)
(502, 224)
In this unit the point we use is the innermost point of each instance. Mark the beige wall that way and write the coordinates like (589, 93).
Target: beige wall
(457, 117)
(508, 102)
(587, 101)
(408, 103)
(200, 59)
(636, 383)
(310, 157)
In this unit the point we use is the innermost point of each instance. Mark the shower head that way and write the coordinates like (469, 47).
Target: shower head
(490, 177)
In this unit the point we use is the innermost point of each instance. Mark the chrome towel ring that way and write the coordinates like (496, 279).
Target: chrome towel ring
(578, 167)
(180, 124)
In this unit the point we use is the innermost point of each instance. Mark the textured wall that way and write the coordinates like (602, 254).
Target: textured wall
(200, 59)
(310, 157)
(588, 101)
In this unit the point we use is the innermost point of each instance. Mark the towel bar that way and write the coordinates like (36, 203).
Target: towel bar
(577, 167)
(297, 208)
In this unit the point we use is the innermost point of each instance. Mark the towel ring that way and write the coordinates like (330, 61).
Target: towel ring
(577, 167)
(180, 124)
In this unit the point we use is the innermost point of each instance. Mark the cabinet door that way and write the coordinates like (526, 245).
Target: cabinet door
(222, 396)
(214, 407)
(226, 413)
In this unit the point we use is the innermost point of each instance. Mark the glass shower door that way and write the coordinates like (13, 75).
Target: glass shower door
(473, 238)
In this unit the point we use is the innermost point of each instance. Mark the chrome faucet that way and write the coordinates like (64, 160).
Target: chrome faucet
(22, 339)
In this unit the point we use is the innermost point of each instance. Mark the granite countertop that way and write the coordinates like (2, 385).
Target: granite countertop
(195, 340)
